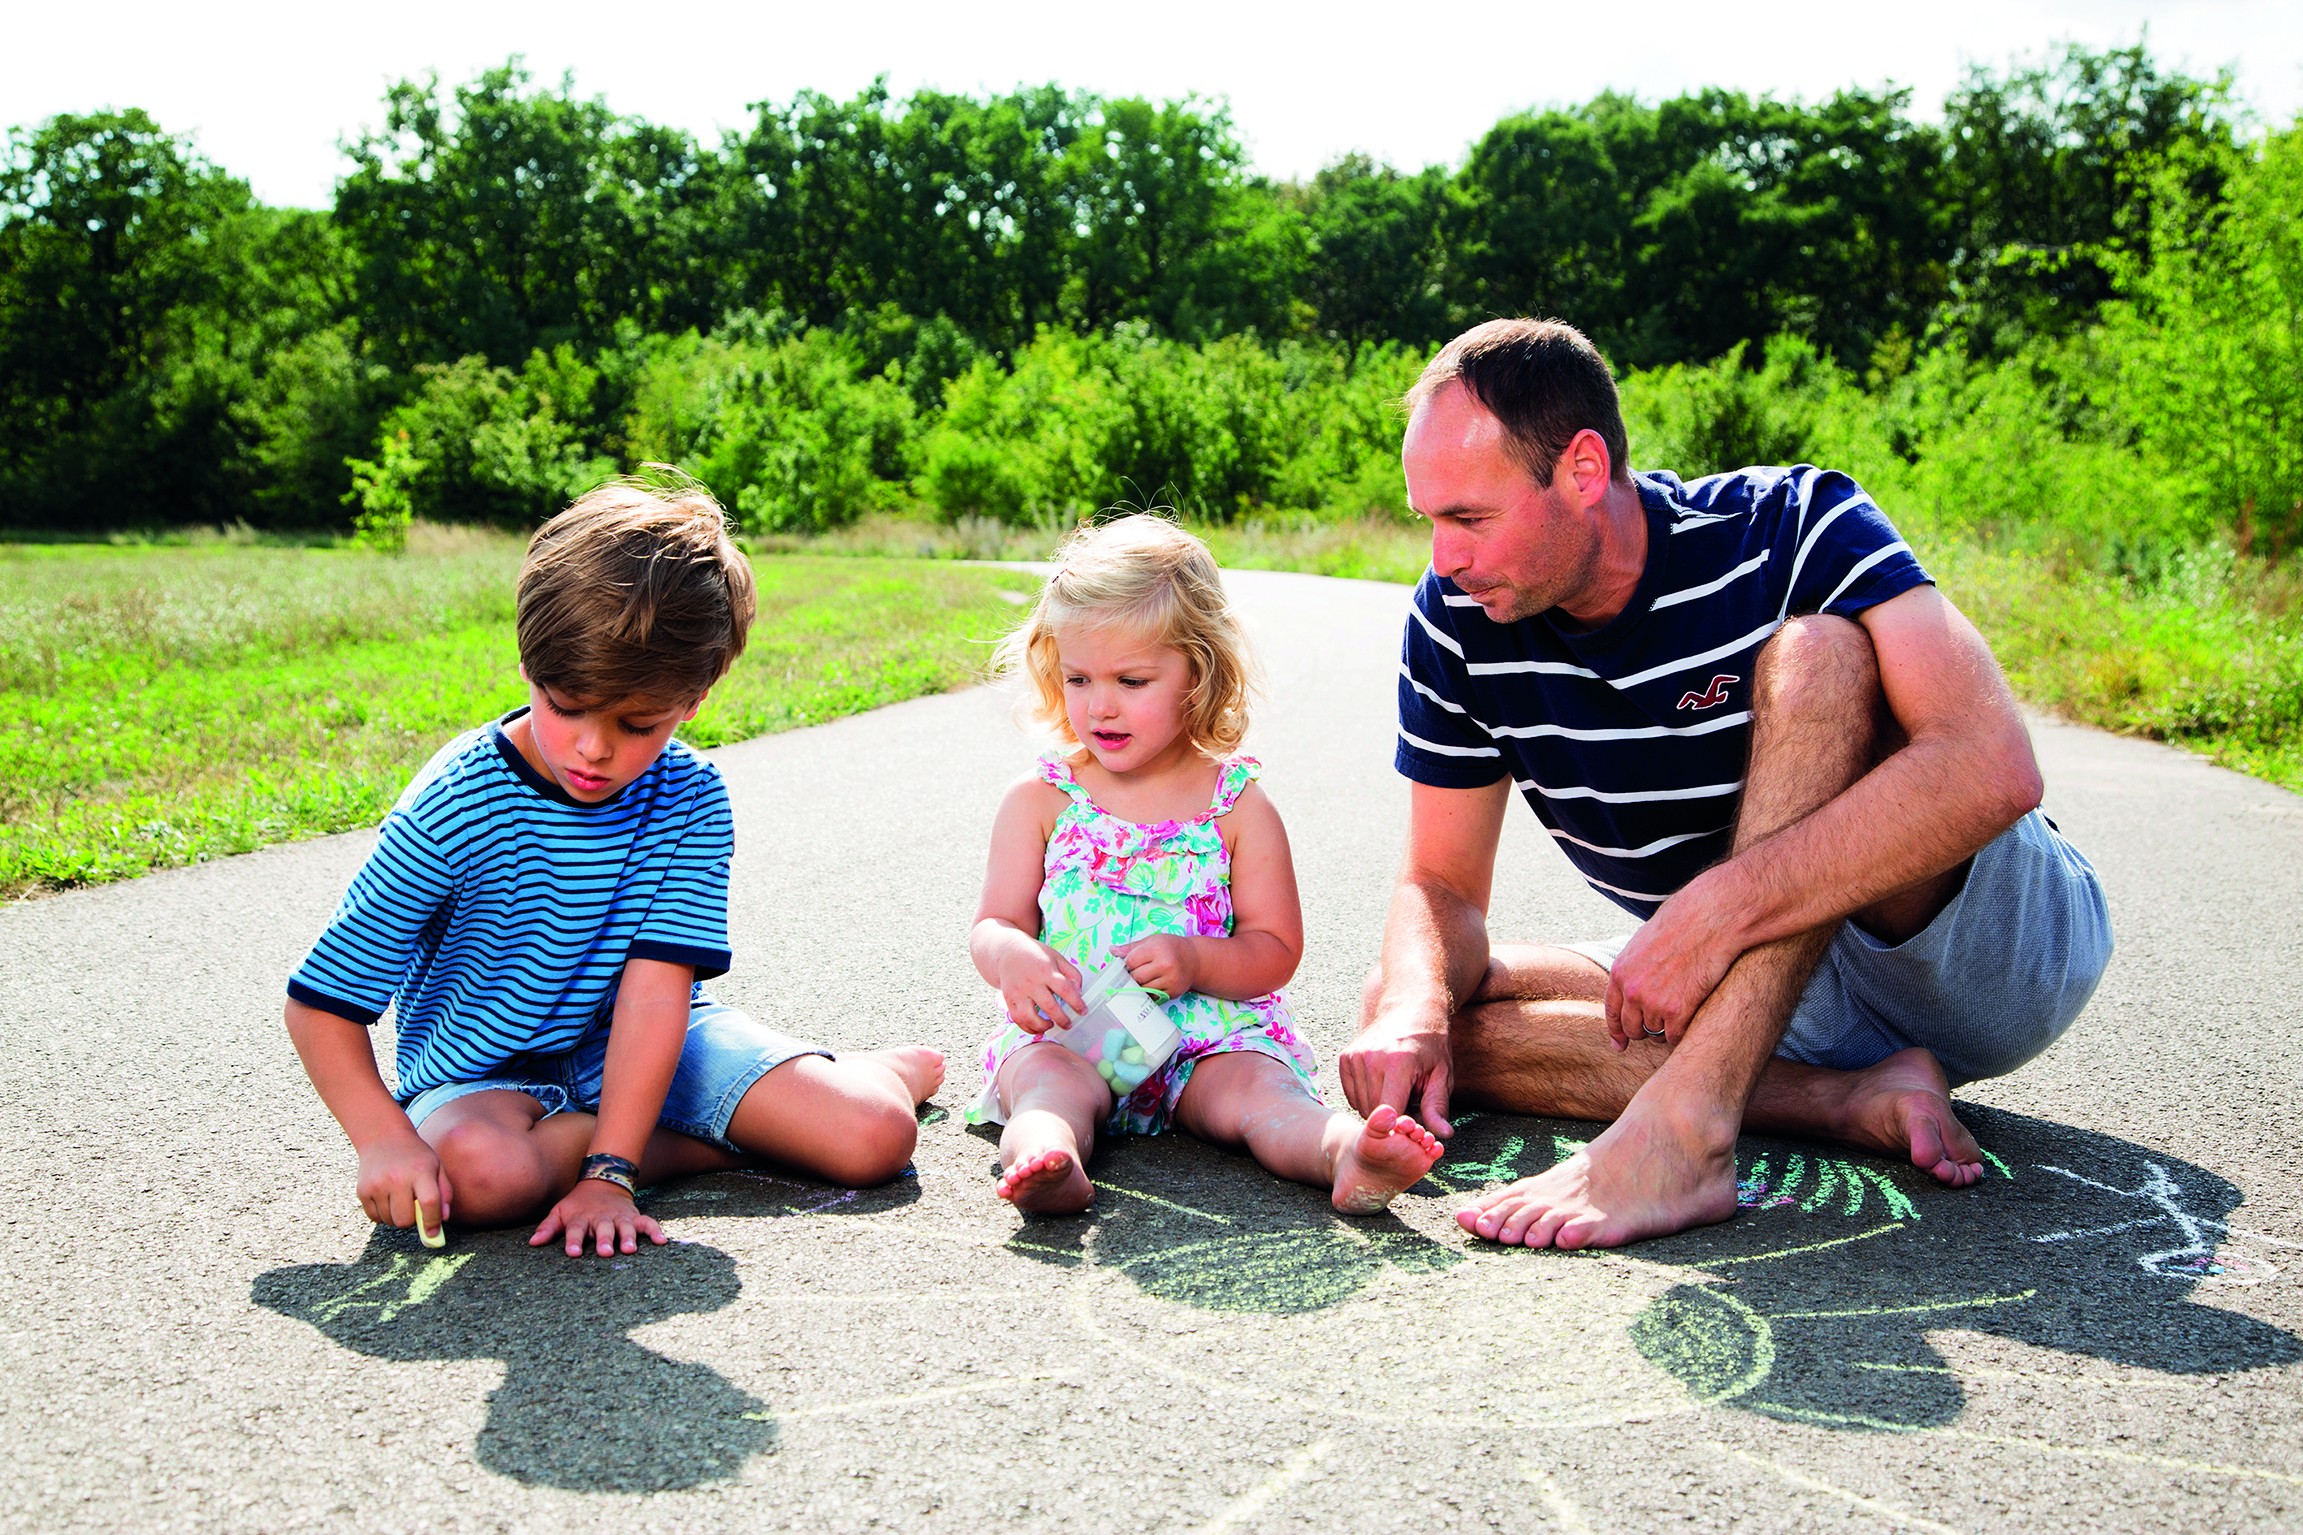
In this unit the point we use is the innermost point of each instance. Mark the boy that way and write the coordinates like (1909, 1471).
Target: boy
(540, 906)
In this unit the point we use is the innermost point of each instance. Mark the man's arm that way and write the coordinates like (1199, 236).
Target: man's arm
(1965, 774)
(645, 1038)
(1434, 953)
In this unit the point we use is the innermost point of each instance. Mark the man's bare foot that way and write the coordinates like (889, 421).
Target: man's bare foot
(921, 1068)
(1049, 1182)
(1902, 1107)
(1637, 1180)
(1377, 1165)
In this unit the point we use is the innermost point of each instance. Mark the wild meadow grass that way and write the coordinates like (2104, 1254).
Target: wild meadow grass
(162, 705)
(2204, 651)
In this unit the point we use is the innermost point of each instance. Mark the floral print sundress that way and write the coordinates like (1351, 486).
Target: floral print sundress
(1110, 882)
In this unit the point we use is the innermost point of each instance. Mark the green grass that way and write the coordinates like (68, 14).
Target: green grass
(164, 705)
(2206, 653)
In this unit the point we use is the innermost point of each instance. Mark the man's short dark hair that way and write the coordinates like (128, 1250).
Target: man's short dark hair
(1544, 380)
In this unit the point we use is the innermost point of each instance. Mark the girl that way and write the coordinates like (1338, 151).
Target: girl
(1148, 839)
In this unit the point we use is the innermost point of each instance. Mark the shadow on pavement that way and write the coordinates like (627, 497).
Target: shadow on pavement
(1814, 1305)
(581, 1406)
(1201, 1227)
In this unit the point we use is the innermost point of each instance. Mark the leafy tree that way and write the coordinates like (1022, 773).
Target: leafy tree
(503, 221)
(1374, 263)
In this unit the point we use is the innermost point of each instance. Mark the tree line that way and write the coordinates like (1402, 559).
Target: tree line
(852, 303)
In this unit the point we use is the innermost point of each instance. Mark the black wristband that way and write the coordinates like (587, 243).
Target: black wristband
(605, 1167)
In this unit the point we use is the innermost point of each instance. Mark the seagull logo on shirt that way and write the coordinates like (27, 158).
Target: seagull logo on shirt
(1710, 697)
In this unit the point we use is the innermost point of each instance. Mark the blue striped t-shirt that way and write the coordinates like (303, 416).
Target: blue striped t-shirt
(1630, 739)
(496, 912)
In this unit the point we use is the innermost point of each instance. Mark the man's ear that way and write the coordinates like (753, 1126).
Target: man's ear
(1587, 466)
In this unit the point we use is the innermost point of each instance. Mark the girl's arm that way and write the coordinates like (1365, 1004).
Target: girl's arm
(1266, 942)
(1029, 975)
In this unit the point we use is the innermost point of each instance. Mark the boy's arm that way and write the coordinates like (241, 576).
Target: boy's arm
(397, 1167)
(645, 1037)
(1266, 942)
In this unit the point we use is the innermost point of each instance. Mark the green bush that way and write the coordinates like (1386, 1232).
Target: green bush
(785, 433)
(486, 444)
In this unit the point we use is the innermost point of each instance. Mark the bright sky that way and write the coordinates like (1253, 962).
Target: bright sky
(268, 89)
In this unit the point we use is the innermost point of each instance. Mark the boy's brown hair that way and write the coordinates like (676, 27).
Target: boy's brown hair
(636, 591)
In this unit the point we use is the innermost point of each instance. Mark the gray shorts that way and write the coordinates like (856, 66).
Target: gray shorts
(725, 1053)
(1996, 978)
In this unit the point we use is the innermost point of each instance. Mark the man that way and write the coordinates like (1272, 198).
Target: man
(1748, 718)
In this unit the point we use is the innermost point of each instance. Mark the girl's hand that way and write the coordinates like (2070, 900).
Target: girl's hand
(1035, 981)
(602, 1212)
(1166, 964)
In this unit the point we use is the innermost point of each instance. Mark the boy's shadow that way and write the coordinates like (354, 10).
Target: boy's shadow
(1188, 1223)
(1815, 1303)
(581, 1405)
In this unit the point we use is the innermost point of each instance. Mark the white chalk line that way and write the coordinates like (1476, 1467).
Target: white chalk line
(1298, 1468)
(909, 1398)
(1886, 1512)
(1557, 1503)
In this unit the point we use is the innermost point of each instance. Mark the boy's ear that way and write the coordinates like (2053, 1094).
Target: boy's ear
(698, 704)
(522, 668)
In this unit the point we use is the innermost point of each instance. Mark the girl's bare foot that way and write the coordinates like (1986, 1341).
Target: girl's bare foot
(1902, 1107)
(1049, 1182)
(1380, 1163)
(921, 1069)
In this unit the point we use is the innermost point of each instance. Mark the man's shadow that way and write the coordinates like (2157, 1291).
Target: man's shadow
(582, 1406)
(1814, 1305)
(1203, 1227)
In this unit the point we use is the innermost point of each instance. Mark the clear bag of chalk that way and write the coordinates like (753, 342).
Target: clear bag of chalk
(1124, 1034)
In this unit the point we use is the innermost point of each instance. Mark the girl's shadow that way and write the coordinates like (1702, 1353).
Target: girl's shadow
(581, 1406)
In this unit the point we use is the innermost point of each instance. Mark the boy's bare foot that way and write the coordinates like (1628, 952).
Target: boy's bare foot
(1376, 1166)
(921, 1069)
(1641, 1178)
(1902, 1107)
(1047, 1183)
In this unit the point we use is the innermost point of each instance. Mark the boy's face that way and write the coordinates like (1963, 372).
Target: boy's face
(593, 748)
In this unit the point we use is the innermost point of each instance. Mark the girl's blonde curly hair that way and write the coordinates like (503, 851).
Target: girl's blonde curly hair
(1147, 577)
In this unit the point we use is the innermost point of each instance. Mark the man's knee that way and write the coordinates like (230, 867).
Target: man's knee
(1817, 664)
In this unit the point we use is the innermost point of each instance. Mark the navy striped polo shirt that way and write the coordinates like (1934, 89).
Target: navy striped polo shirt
(1630, 739)
(496, 912)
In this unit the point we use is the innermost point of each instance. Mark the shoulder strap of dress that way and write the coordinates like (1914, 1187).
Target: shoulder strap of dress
(1237, 773)
(1055, 770)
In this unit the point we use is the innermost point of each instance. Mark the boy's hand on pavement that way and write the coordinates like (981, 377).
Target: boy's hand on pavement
(1032, 980)
(1161, 963)
(602, 1212)
(397, 1171)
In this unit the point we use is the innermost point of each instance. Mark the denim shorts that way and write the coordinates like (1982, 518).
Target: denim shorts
(1995, 979)
(726, 1052)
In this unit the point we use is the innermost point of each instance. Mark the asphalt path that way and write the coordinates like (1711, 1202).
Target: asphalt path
(199, 1330)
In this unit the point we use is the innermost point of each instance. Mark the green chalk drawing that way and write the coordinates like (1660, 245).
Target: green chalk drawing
(1165, 1204)
(1284, 1272)
(1971, 1303)
(1503, 1167)
(2004, 1170)
(1707, 1340)
(1805, 1247)
(376, 1294)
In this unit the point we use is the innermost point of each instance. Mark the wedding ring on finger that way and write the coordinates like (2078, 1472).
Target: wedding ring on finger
(1651, 1033)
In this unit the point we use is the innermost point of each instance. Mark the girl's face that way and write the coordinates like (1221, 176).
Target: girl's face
(1124, 696)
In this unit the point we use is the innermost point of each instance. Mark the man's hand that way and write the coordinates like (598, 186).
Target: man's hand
(1032, 979)
(603, 1212)
(1403, 1062)
(1669, 969)
(1163, 963)
(396, 1171)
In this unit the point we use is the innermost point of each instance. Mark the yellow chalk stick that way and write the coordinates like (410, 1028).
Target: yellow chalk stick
(436, 1237)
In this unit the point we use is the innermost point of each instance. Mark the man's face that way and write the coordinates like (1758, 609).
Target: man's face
(593, 749)
(1515, 547)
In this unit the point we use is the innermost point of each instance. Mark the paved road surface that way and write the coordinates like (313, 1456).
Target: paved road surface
(200, 1331)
